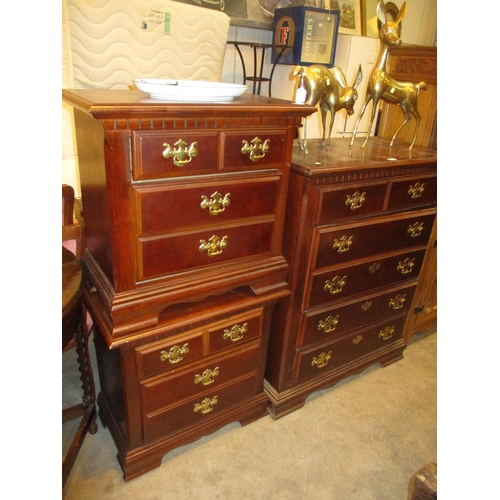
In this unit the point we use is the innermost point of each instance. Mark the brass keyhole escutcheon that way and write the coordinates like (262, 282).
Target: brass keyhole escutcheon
(217, 203)
(322, 360)
(257, 149)
(214, 246)
(180, 152)
(175, 354)
(356, 200)
(236, 332)
(366, 305)
(329, 324)
(374, 267)
(343, 244)
(356, 340)
(335, 285)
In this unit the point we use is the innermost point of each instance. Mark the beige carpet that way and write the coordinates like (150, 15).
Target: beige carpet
(362, 439)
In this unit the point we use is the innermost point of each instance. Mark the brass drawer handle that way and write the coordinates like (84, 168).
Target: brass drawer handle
(415, 191)
(175, 354)
(217, 203)
(343, 244)
(181, 153)
(356, 200)
(236, 332)
(207, 377)
(406, 266)
(257, 150)
(214, 246)
(386, 333)
(356, 340)
(397, 302)
(206, 406)
(335, 285)
(329, 324)
(416, 229)
(322, 360)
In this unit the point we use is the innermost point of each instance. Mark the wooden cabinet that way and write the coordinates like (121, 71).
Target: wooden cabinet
(356, 236)
(410, 63)
(184, 206)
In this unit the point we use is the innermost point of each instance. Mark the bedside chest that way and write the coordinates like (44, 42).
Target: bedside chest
(356, 232)
(183, 207)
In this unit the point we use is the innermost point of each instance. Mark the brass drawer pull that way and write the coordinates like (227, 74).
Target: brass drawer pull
(181, 153)
(335, 285)
(329, 324)
(175, 354)
(214, 246)
(386, 333)
(322, 360)
(416, 190)
(217, 203)
(207, 377)
(343, 244)
(374, 267)
(397, 302)
(356, 200)
(236, 332)
(206, 406)
(406, 266)
(416, 229)
(356, 340)
(257, 150)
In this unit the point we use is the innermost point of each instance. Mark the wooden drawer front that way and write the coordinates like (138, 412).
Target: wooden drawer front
(237, 330)
(343, 282)
(151, 158)
(355, 242)
(337, 321)
(415, 192)
(198, 409)
(347, 203)
(314, 362)
(184, 383)
(173, 253)
(245, 150)
(163, 208)
(169, 354)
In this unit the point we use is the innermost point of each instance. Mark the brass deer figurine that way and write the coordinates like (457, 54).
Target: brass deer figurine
(382, 86)
(328, 87)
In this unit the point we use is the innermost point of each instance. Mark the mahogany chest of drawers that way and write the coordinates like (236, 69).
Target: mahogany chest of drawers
(183, 206)
(356, 232)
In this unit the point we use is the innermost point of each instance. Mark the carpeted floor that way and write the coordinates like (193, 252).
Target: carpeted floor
(362, 439)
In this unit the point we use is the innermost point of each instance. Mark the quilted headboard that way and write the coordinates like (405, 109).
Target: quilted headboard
(108, 43)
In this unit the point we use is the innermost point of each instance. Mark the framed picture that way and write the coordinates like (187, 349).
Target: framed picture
(350, 16)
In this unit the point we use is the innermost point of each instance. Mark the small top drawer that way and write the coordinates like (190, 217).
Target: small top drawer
(253, 149)
(415, 192)
(158, 154)
(346, 203)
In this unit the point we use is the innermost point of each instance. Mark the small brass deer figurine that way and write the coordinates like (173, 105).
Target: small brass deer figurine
(381, 86)
(330, 89)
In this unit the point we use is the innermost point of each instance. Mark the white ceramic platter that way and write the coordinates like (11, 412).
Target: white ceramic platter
(189, 91)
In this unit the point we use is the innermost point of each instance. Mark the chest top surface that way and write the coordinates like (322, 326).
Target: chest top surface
(377, 158)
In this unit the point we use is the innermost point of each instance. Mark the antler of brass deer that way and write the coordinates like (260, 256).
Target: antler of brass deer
(329, 88)
(381, 86)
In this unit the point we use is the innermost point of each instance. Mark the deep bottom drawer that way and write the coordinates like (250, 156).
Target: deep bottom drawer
(196, 410)
(346, 350)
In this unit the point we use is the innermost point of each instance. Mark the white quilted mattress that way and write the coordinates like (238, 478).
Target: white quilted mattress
(114, 41)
